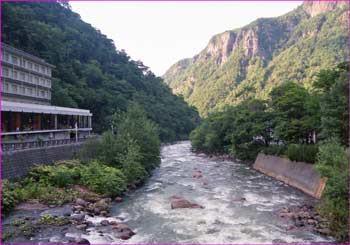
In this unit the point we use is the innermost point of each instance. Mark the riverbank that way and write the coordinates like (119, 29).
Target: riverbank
(227, 202)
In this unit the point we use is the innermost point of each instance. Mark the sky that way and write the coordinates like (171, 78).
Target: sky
(161, 33)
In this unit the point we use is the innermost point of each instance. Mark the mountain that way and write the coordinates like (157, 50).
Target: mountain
(250, 61)
(90, 72)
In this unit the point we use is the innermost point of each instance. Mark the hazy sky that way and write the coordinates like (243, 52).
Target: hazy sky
(161, 33)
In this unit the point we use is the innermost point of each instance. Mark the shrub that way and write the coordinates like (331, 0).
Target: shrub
(275, 150)
(10, 197)
(332, 162)
(103, 179)
(302, 153)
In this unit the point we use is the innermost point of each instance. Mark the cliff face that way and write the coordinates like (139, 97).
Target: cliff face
(249, 61)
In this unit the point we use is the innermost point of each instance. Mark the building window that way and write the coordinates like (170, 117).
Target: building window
(22, 76)
(42, 93)
(30, 78)
(43, 69)
(36, 79)
(36, 67)
(6, 87)
(23, 62)
(48, 82)
(14, 88)
(14, 60)
(14, 74)
(23, 90)
(48, 71)
(30, 65)
(5, 72)
(7, 57)
(29, 91)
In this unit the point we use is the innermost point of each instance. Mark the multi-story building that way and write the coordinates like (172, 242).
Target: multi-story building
(25, 78)
(27, 116)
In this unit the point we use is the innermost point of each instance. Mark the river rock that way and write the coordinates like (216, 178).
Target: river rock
(179, 202)
(126, 234)
(104, 222)
(120, 227)
(197, 174)
(81, 241)
(77, 217)
(118, 199)
(239, 199)
(324, 231)
(81, 202)
(81, 227)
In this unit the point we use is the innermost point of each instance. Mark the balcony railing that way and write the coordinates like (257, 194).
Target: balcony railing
(16, 146)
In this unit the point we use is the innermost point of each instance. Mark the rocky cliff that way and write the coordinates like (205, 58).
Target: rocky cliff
(249, 61)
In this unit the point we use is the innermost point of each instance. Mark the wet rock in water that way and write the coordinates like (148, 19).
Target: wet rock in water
(78, 208)
(104, 222)
(126, 234)
(81, 227)
(77, 217)
(197, 174)
(118, 199)
(179, 202)
(81, 241)
(81, 202)
(104, 213)
(120, 227)
(239, 199)
(102, 205)
(131, 187)
(290, 227)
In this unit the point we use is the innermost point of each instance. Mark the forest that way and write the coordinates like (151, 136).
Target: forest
(309, 126)
(90, 73)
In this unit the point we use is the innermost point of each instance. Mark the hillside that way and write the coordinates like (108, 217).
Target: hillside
(248, 62)
(90, 72)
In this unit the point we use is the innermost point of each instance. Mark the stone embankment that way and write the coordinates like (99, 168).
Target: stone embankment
(297, 174)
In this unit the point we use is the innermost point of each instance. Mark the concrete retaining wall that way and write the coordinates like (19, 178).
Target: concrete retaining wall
(17, 164)
(297, 174)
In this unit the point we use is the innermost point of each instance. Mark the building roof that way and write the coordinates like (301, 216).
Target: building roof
(25, 54)
(46, 109)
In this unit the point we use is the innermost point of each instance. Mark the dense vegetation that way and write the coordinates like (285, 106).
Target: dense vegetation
(250, 61)
(286, 125)
(90, 73)
(120, 159)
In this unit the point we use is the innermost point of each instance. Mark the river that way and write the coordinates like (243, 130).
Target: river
(222, 220)
(149, 213)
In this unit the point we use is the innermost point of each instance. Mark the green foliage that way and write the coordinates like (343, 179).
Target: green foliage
(103, 179)
(89, 72)
(292, 47)
(275, 150)
(288, 103)
(242, 130)
(332, 163)
(334, 100)
(302, 152)
(9, 197)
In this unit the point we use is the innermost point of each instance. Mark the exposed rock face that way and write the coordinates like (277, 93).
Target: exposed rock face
(262, 55)
(220, 47)
(313, 8)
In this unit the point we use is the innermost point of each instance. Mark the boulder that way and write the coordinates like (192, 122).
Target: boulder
(197, 174)
(126, 234)
(81, 241)
(81, 202)
(77, 217)
(118, 199)
(81, 227)
(178, 202)
(120, 227)
(104, 222)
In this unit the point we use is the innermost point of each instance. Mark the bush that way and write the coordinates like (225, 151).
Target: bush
(105, 180)
(10, 197)
(275, 150)
(302, 153)
(332, 162)
(62, 174)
